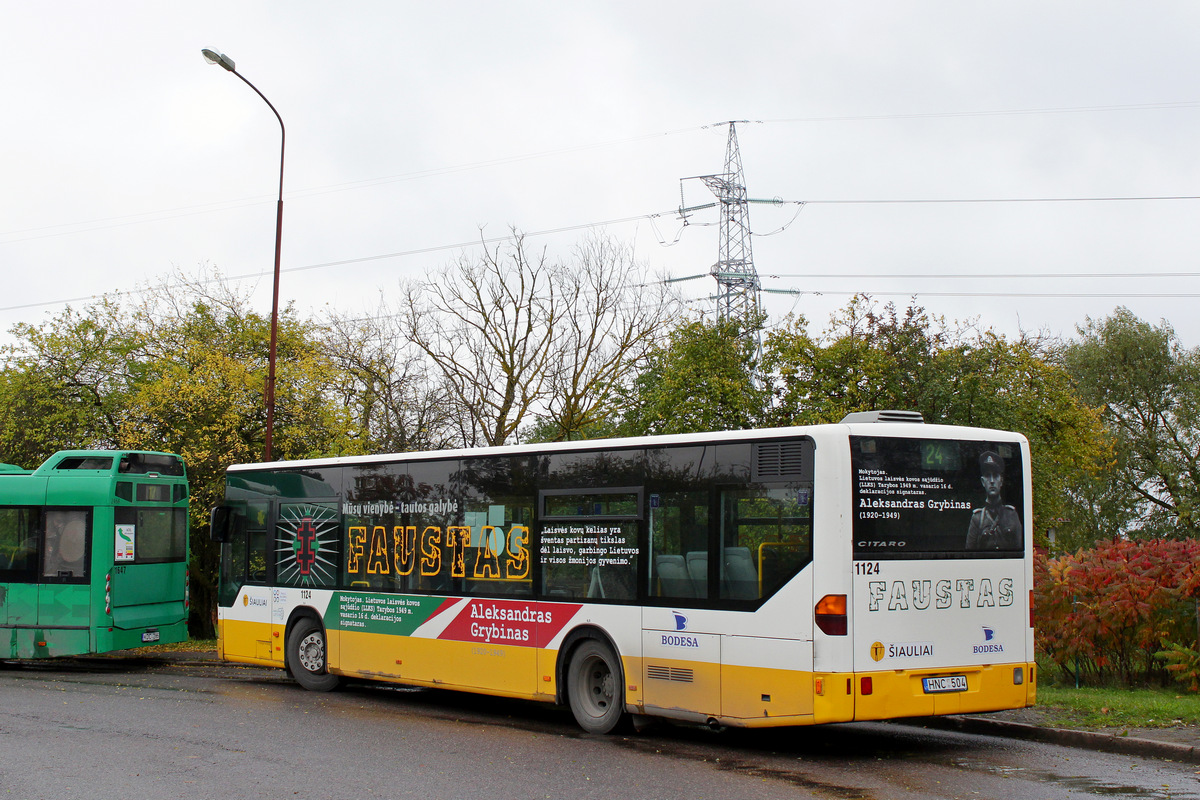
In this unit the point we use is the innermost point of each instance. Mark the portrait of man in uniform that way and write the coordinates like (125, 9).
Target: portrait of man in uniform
(996, 526)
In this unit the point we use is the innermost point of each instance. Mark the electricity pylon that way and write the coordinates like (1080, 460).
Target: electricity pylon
(737, 280)
(738, 286)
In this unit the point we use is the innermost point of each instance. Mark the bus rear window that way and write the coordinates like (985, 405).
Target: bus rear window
(922, 498)
(153, 493)
(152, 535)
(145, 463)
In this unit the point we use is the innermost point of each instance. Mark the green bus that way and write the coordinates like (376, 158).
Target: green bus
(93, 553)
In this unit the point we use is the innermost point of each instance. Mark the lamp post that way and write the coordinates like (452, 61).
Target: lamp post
(224, 61)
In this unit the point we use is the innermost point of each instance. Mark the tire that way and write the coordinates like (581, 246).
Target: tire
(595, 688)
(305, 657)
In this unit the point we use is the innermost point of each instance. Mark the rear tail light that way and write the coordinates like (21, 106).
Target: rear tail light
(108, 593)
(831, 614)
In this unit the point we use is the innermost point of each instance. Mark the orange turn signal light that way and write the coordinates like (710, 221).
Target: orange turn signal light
(830, 614)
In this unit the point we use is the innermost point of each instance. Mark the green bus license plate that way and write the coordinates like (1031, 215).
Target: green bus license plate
(946, 683)
(153, 636)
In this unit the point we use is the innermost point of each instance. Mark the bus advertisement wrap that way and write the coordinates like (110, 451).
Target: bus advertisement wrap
(790, 576)
(917, 497)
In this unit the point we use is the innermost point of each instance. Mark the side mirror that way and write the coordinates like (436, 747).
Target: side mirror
(220, 523)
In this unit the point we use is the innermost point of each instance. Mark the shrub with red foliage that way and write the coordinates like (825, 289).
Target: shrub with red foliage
(1103, 613)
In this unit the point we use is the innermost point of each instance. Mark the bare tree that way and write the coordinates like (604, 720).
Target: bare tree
(488, 327)
(612, 316)
(520, 337)
(387, 385)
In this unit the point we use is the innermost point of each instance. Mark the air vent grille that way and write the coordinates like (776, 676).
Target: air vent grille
(677, 674)
(778, 460)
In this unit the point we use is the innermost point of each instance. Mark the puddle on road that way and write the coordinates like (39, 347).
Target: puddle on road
(1075, 783)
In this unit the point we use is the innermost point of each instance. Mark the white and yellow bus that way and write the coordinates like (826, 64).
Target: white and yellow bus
(872, 569)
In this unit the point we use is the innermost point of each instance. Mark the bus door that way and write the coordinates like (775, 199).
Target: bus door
(765, 542)
(681, 649)
(19, 566)
(64, 596)
(244, 597)
(149, 563)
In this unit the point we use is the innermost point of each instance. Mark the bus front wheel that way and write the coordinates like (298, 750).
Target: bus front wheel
(306, 657)
(594, 688)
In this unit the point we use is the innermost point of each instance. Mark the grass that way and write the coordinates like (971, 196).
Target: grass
(190, 646)
(1125, 708)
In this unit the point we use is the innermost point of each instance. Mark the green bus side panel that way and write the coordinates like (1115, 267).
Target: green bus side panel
(43, 642)
(148, 595)
(18, 604)
(139, 584)
(64, 605)
(148, 615)
(80, 489)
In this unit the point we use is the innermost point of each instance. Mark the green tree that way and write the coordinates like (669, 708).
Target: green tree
(872, 358)
(182, 371)
(63, 384)
(203, 366)
(868, 359)
(701, 379)
(1148, 386)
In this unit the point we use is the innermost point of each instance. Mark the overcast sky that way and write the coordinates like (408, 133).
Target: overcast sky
(413, 126)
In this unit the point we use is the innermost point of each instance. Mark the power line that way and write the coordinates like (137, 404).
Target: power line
(1058, 295)
(654, 216)
(994, 113)
(967, 276)
(933, 201)
(348, 261)
(103, 223)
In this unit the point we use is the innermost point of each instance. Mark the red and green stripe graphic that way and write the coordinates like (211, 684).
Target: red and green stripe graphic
(511, 622)
(526, 624)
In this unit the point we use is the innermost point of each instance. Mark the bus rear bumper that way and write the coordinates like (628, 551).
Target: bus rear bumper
(926, 693)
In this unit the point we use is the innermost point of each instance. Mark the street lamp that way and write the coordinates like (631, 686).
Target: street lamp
(224, 61)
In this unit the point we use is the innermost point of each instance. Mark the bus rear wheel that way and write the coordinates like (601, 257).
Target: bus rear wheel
(305, 657)
(594, 688)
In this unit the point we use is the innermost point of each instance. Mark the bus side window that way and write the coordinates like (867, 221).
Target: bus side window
(233, 557)
(65, 544)
(679, 542)
(19, 543)
(766, 538)
(256, 555)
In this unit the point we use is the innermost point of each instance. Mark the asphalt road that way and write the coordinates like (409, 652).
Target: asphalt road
(151, 728)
